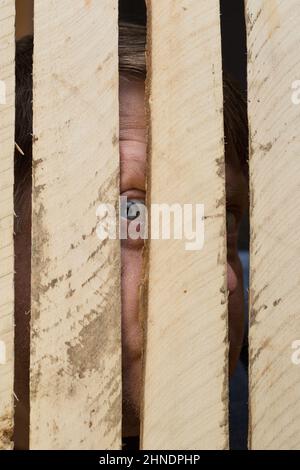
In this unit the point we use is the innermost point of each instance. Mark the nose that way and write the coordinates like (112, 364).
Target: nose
(231, 279)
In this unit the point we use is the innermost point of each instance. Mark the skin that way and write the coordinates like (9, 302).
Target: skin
(133, 178)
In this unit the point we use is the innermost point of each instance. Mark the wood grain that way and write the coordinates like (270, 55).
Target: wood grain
(75, 325)
(185, 354)
(273, 66)
(7, 131)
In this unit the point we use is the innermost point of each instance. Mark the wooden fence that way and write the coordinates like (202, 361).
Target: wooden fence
(75, 358)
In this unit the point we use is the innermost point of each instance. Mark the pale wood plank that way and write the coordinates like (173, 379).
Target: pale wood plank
(7, 131)
(273, 65)
(75, 329)
(186, 348)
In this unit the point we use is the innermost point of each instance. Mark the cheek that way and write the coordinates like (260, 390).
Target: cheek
(232, 280)
(130, 282)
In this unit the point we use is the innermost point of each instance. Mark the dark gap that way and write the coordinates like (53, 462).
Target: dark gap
(22, 223)
(234, 57)
(132, 11)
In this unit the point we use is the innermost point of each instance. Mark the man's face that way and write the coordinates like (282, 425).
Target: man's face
(133, 179)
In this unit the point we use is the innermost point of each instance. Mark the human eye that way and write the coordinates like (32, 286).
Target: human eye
(133, 220)
(132, 209)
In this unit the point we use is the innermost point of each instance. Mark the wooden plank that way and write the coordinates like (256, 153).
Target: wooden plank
(273, 66)
(7, 132)
(75, 326)
(185, 357)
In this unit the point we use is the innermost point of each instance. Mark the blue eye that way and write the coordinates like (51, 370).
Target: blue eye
(131, 210)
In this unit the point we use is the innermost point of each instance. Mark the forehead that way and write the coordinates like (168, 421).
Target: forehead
(132, 104)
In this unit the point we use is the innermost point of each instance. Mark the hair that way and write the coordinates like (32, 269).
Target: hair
(132, 63)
